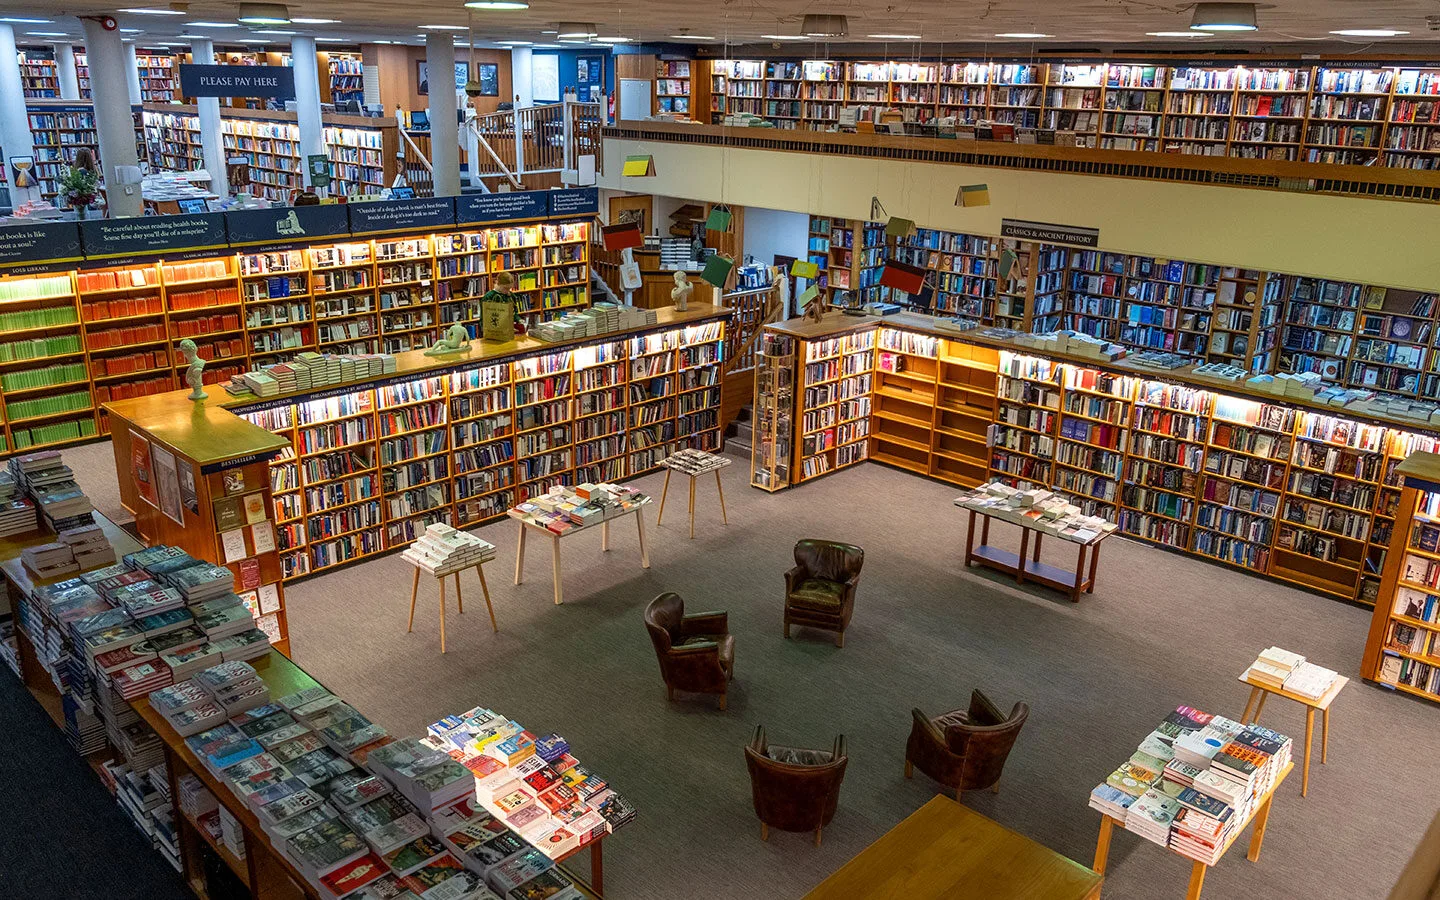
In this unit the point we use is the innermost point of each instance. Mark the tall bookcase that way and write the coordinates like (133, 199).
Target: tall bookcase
(158, 82)
(347, 78)
(672, 86)
(58, 132)
(39, 76)
(772, 452)
(82, 75)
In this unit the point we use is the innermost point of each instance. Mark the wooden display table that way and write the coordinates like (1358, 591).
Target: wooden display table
(1081, 580)
(459, 598)
(693, 463)
(1261, 691)
(638, 511)
(944, 851)
(1260, 815)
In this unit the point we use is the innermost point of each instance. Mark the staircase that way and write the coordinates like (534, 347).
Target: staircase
(740, 434)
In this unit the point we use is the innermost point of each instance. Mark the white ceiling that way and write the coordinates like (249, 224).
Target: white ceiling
(944, 27)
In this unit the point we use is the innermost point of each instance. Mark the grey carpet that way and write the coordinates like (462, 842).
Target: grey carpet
(94, 468)
(1161, 630)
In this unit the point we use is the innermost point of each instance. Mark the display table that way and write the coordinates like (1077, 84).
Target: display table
(1082, 579)
(459, 599)
(944, 850)
(528, 524)
(1261, 691)
(693, 463)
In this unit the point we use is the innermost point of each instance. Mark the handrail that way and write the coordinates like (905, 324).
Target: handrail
(480, 139)
(420, 154)
(743, 352)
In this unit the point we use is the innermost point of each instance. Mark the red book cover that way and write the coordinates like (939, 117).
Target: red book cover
(355, 875)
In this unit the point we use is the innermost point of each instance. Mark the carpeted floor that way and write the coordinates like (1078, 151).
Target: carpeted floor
(1161, 630)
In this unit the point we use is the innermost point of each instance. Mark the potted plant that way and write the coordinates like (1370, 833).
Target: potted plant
(79, 186)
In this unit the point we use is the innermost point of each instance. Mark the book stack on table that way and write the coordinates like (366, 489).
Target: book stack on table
(1194, 782)
(1036, 508)
(695, 462)
(89, 545)
(1279, 670)
(17, 513)
(565, 509)
(50, 483)
(443, 550)
(49, 560)
(309, 371)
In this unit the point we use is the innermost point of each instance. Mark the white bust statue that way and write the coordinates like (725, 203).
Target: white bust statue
(456, 340)
(195, 369)
(682, 291)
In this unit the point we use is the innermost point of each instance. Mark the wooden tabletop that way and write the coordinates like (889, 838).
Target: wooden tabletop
(25, 582)
(1323, 703)
(201, 430)
(944, 851)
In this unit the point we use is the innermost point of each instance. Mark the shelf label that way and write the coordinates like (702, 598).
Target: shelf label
(292, 225)
(153, 234)
(475, 209)
(1048, 233)
(39, 242)
(237, 81)
(575, 202)
(402, 215)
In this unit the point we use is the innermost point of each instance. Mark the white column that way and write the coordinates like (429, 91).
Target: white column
(520, 77)
(14, 124)
(307, 99)
(132, 75)
(444, 135)
(65, 67)
(106, 56)
(212, 146)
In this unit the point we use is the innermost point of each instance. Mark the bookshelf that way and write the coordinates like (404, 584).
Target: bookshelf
(39, 76)
(1347, 115)
(835, 402)
(672, 86)
(158, 80)
(82, 75)
(368, 470)
(817, 251)
(771, 454)
(1400, 650)
(58, 132)
(347, 78)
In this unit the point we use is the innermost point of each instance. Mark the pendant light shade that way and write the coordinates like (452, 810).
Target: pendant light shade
(577, 30)
(825, 26)
(264, 14)
(1223, 17)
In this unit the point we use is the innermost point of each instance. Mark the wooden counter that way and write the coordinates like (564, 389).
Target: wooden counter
(944, 851)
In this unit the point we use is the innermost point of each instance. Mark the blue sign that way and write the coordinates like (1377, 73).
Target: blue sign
(39, 242)
(575, 202)
(152, 234)
(402, 215)
(277, 82)
(291, 225)
(478, 209)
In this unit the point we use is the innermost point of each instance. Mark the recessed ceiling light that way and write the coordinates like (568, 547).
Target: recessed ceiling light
(381, 42)
(264, 14)
(550, 32)
(152, 11)
(895, 37)
(1179, 34)
(691, 37)
(1223, 17)
(47, 34)
(1369, 32)
(442, 27)
(209, 25)
(18, 20)
(314, 21)
(547, 47)
(612, 40)
(497, 4)
(132, 30)
(274, 31)
(1024, 34)
(514, 43)
(581, 41)
(320, 40)
(254, 41)
(784, 37)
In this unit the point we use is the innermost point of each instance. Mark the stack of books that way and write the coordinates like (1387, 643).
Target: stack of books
(427, 776)
(1311, 681)
(1273, 666)
(61, 503)
(89, 545)
(49, 560)
(564, 509)
(442, 550)
(1036, 508)
(599, 319)
(1194, 782)
(17, 513)
(695, 462)
(309, 371)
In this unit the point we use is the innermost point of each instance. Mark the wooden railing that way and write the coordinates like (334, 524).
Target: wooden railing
(546, 138)
(414, 162)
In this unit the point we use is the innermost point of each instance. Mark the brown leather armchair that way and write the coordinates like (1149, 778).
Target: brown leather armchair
(820, 590)
(696, 652)
(794, 789)
(965, 749)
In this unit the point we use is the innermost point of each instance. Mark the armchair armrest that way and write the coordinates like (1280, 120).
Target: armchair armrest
(694, 648)
(712, 622)
(793, 578)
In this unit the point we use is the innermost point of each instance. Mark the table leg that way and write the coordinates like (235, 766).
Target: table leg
(485, 589)
(1263, 694)
(640, 525)
(414, 591)
(720, 489)
(970, 541)
(1197, 881)
(1324, 734)
(605, 537)
(1309, 731)
(520, 553)
(1245, 716)
(985, 530)
(555, 566)
(1094, 562)
(664, 492)
(597, 868)
(692, 507)
(1257, 837)
(1102, 846)
(1079, 575)
(1038, 538)
(1024, 551)
(442, 615)
(459, 600)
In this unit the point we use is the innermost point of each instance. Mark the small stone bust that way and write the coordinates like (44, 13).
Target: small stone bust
(682, 291)
(195, 370)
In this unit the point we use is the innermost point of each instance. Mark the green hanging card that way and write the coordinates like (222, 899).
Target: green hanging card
(717, 269)
(897, 227)
(806, 296)
(719, 219)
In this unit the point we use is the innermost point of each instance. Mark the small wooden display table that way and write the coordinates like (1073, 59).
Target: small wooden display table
(526, 525)
(693, 463)
(1261, 691)
(1032, 568)
(1260, 815)
(459, 598)
(944, 851)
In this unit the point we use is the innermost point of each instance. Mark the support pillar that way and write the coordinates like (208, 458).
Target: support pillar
(307, 100)
(14, 123)
(207, 109)
(109, 71)
(65, 68)
(444, 133)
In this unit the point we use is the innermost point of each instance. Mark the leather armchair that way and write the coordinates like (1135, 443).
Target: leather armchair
(820, 589)
(696, 652)
(965, 749)
(794, 789)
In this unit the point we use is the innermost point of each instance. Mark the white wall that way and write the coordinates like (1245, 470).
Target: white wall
(769, 232)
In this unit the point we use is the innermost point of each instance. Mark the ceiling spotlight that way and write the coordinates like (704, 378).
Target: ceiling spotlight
(611, 40)
(314, 21)
(18, 20)
(1223, 17)
(1028, 35)
(824, 26)
(576, 30)
(1360, 32)
(784, 37)
(264, 14)
(691, 37)
(442, 27)
(1179, 34)
(497, 4)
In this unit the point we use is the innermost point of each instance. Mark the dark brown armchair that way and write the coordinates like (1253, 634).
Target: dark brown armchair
(794, 789)
(965, 749)
(696, 652)
(820, 590)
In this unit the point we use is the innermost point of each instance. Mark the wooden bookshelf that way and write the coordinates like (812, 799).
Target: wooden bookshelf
(39, 76)
(1401, 650)
(82, 75)
(836, 386)
(772, 447)
(672, 86)
(59, 131)
(347, 78)
(907, 368)
(159, 82)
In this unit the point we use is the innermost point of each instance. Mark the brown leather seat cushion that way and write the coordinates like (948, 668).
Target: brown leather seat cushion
(813, 593)
(798, 756)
